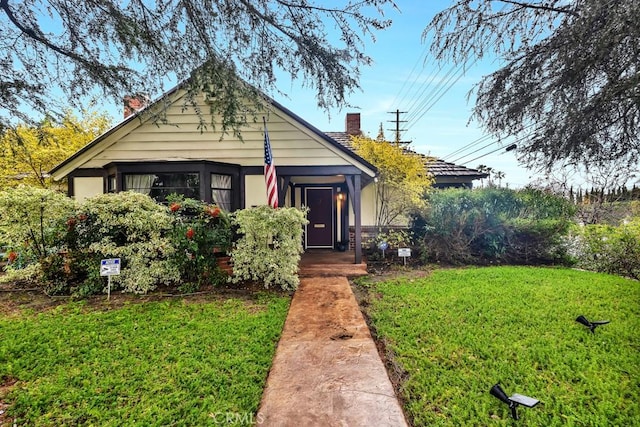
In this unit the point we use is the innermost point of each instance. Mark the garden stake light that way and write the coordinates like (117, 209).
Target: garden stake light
(514, 400)
(591, 325)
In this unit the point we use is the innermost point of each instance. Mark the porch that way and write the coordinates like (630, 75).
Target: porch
(328, 262)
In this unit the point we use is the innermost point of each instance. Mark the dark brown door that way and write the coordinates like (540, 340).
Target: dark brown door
(320, 228)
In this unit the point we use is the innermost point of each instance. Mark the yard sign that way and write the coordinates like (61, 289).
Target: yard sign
(109, 267)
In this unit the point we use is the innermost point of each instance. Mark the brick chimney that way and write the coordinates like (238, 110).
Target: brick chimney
(352, 126)
(134, 103)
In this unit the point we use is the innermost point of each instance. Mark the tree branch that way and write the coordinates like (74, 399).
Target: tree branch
(566, 9)
(29, 32)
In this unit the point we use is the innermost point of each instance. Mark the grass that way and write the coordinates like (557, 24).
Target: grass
(458, 332)
(155, 363)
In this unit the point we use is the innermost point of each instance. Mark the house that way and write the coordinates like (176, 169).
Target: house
(314, 169)
(445, 174)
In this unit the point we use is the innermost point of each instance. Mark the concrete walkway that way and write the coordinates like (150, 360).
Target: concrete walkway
(327, 371)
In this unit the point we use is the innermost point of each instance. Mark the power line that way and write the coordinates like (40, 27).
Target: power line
(469, 145)
(486, 154)
(475, 151)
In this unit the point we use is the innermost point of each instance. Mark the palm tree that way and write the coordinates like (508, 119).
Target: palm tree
(482, 169)
(499, 175)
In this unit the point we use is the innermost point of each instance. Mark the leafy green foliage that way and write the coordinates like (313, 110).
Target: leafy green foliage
(32, 223)
(157, 363)
(403, 179)
(493, 225)
(118, 48)
(608, 249)
(269, 246)
(200, 232)
(27, 153)
(59, 245)
(132, 227)
(568, 85)
(394, 238)
(459, 331)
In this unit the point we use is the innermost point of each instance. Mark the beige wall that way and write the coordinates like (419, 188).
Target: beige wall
(368, 205)
(369, 200)
(86, 187)
(255, 191)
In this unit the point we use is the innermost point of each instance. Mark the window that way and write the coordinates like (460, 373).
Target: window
(160, 185)
(221, 190)
(111, 184)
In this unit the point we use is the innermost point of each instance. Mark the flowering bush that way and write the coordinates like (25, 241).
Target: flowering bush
(129, 226)
(608, 249)
(32, 227)
(200, 232)
(269, 246)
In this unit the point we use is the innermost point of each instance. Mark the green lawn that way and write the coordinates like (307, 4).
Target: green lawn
(174, 362)
(459, 331)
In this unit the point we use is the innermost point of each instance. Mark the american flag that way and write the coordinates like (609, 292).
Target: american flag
(270, 170)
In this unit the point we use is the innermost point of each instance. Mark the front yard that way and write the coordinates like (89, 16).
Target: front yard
(458, 332)
(197, 361)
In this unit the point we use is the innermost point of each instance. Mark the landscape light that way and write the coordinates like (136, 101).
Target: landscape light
(591, 325)
(514, 400)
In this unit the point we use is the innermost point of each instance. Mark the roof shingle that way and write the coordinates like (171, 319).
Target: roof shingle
(438, 167)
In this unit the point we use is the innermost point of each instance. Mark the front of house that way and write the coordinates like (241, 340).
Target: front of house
(159, 159)
(314, 169)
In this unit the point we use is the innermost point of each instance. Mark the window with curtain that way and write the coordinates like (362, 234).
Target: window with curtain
(160, 185)
(221, 190)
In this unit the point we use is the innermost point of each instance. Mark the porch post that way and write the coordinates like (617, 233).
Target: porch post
(354, 186)
(358, 218)
(282, 190)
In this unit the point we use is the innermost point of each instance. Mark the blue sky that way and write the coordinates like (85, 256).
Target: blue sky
(439, 131)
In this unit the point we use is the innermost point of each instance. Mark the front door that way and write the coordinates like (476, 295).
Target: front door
(320, 228)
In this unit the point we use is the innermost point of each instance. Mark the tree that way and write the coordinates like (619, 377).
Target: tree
(402, 182)
(27, 153)
(570, 86)
(483, 169)
(57, 52)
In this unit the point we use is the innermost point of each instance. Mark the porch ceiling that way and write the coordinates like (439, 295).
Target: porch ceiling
(336, 179)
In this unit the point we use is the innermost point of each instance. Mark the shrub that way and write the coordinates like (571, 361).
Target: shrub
(493, 225)
(608, 249)
(394, 238)
(200, 233)
(269, 246)
(129, 226)
(32, 227)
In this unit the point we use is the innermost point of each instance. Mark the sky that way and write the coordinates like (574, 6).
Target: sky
(399, 80)
(402, 76)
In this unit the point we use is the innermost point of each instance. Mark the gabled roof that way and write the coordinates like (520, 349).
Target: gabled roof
(132, 122)
(439, 168)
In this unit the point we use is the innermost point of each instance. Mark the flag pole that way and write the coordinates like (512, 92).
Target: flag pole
(270, 177)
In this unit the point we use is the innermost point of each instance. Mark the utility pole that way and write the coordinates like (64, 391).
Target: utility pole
(397, 129)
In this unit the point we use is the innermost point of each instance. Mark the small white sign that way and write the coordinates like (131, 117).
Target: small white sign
(110, 267)
(404, 252)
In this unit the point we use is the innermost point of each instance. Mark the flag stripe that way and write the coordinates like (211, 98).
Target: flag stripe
(270, 170)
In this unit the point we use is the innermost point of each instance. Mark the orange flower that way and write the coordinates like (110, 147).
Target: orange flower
(214, 212)
(190, 233)
(174, 207)
(12, 256)
(71, 222)
(82, 217)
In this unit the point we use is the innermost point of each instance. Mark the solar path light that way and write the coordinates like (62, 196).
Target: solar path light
(591, 325)
(514, 401)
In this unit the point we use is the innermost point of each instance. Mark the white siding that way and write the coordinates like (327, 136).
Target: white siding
(85, 187)
(292, 143)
